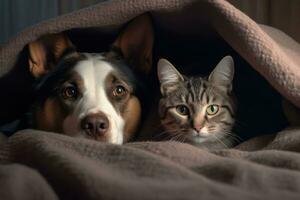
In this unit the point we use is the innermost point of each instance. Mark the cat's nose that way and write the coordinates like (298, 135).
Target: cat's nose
(197, 127)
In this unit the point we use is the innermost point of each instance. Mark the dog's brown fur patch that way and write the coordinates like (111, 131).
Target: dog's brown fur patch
(131, 116)
(129, 107)
(45, 52)
(50, 115)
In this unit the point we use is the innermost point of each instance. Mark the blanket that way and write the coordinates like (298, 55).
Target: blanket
(52, 166)
(41, 165)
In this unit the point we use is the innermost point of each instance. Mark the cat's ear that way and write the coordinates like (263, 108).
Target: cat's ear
(168, 76)
(223, 73)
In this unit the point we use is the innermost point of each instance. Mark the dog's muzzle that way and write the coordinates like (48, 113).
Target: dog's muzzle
(95, 125)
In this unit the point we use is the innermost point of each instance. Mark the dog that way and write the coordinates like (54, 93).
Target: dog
(91, 95)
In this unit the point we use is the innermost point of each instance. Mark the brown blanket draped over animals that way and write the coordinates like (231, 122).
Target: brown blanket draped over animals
(37, 165)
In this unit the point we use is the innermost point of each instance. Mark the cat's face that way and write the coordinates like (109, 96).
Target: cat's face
(196, 109)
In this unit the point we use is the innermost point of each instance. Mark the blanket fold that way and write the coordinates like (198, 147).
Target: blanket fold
(85, 169)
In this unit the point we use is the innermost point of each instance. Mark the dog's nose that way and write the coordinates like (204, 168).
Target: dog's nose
(95, 124)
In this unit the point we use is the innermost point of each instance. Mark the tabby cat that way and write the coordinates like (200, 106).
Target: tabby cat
(197, 110)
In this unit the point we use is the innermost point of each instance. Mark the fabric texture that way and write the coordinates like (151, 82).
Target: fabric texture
(280, 14)
(265, 167)
(262, 168)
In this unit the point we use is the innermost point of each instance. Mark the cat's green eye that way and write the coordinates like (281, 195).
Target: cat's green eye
(212, 109)
(182, 110)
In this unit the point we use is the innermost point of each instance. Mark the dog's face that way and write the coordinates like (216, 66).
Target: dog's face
(88, 95)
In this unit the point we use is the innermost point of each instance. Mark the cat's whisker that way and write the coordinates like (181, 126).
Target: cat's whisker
(170, 136)
(220, 141)
(166, 132)
(234, 137)
(184, 138)
(177, 135)
(211, 129)
(229, 132)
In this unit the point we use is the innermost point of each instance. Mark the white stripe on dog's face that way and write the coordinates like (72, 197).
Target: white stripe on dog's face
(93, 72)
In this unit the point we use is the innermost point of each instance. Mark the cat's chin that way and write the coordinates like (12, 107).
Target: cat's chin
(211, 142)
(197, 139)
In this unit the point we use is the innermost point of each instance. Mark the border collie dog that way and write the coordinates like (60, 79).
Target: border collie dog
(91, 95)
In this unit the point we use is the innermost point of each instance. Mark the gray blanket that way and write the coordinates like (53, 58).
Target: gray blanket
(52, 166)
(40, 165)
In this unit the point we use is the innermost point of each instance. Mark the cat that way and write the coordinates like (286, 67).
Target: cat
(200, 111)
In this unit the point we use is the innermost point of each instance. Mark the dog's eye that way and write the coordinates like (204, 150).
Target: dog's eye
(69, 92)
(119, 91)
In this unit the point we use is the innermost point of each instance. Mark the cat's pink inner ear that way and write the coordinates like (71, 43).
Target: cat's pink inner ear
(167, 73)
(223, 73)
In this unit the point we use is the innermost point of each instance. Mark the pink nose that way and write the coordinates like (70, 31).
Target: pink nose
(197, 127)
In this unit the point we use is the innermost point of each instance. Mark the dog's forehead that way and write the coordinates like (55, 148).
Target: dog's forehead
(93, 68)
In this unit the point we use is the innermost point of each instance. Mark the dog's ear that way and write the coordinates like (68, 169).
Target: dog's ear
(136, 43)
(45, 52)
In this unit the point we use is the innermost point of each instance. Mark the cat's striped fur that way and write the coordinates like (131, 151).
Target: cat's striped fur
(198, 110)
